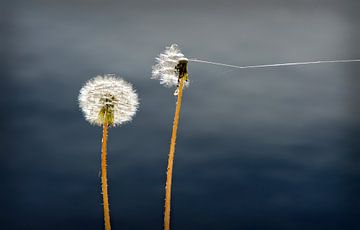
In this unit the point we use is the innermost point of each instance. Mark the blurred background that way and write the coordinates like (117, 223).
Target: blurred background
(274, 148)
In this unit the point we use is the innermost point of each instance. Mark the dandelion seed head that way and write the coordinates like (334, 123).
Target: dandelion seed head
(111, 93)
(164, 69)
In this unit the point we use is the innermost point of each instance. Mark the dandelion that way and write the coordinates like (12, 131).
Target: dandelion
(107, 101)
(171, 70)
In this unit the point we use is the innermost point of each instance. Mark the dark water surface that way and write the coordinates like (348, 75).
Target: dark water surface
(274, 148)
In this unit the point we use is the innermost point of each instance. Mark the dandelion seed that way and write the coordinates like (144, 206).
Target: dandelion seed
(166, 68)
(171, 70)
(107, 101)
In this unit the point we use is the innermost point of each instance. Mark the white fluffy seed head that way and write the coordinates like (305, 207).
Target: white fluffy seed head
(108, 91)
(164, 69)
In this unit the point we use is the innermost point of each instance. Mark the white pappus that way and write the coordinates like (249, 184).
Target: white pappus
(108, 91)
(164, 69)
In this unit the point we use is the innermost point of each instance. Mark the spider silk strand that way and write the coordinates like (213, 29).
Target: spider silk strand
(274, 65)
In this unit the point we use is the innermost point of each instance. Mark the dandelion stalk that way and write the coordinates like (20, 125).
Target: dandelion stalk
(104, 184)
(107, 101)
(171, 156)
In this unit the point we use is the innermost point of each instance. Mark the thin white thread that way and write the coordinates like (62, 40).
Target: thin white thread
(274, 65)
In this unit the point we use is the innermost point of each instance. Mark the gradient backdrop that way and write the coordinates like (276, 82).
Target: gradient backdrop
(271, 149)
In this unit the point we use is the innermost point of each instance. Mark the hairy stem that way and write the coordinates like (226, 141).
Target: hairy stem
(171, 157)
(104, 177)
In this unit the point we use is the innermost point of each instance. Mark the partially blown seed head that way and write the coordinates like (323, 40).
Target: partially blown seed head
(164, 69)
(108, 98)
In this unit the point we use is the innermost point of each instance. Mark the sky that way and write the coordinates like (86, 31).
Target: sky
(273, 148)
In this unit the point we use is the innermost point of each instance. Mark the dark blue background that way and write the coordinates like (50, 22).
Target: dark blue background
(274, 148)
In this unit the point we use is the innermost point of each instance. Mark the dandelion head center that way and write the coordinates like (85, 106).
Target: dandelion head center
(181, 68)
(108, 100)
(106, 113)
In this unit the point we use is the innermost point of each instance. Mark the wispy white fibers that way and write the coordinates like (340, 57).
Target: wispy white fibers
(164, 69)
(275, 65)
(108, 90)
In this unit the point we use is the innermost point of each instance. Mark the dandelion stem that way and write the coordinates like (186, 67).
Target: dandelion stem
(171, 157)
(104, 177)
